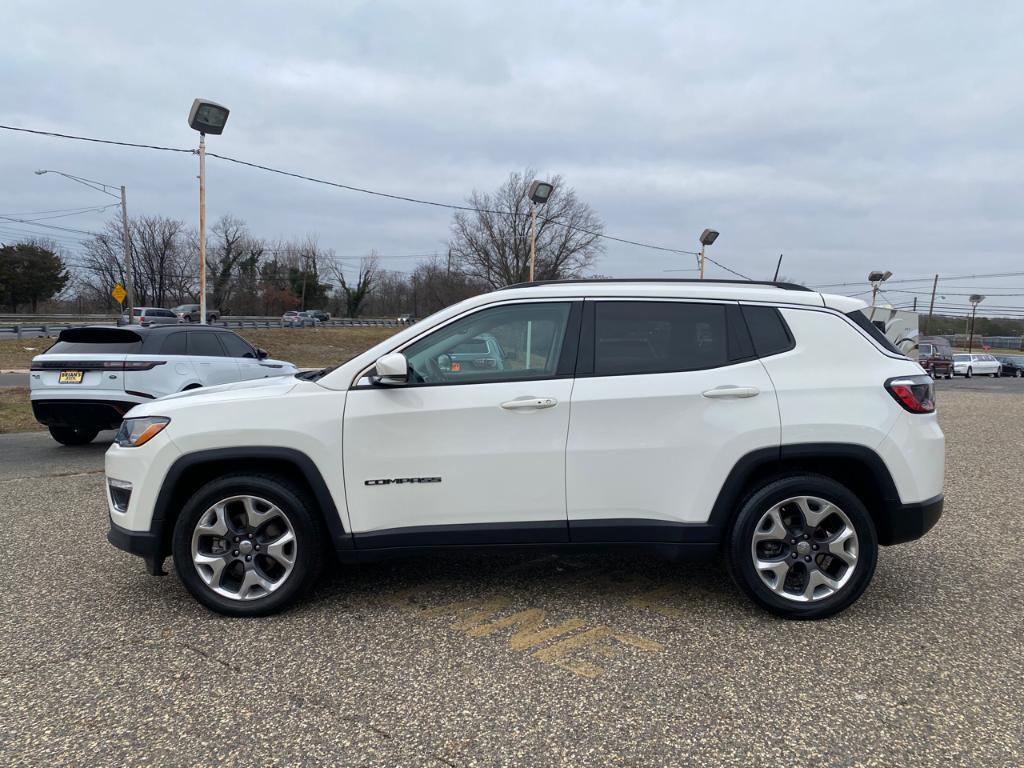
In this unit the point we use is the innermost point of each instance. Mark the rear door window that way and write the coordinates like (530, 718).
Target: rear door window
(235, 346)
(633, 337)
(205, 345)
(174, 344)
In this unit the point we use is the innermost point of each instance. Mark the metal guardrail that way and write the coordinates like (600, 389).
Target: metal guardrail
(33, 330)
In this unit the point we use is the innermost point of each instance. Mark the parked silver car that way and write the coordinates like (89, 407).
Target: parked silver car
(151, 316)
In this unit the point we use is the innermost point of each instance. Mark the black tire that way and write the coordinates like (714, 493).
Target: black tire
(738, 546)
(295, 505)
(73, 436)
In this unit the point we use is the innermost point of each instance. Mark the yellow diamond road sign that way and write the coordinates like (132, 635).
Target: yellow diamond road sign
(119, 293)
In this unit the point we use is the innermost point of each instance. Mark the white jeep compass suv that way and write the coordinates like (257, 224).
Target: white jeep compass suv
(770, 422)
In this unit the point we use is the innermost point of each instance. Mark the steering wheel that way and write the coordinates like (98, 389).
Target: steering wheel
(433, 373)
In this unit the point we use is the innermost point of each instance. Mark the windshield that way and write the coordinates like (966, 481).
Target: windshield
(961, 358)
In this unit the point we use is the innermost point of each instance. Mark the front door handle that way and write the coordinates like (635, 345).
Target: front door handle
(731, 391)
(535, 403)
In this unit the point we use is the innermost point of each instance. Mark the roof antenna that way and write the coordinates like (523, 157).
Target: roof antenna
(777, 266)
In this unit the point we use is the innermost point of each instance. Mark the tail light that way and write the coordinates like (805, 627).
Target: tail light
(915, 393)
(93, 365)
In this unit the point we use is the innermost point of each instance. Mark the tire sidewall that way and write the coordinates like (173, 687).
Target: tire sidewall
(308, 540)
(753, 508)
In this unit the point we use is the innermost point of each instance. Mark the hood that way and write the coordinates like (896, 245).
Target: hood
(274, 386)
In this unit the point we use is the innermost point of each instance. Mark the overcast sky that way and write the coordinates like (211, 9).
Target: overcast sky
(848, 136)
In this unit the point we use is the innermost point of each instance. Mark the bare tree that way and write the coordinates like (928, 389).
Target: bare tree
(355, 294)
(162, 270)
(492, 243)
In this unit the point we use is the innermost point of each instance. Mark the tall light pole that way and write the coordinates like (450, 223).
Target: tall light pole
(707, 237)
(126, 240)
(205, 117)
(975, 299)
(538, 193)
(876, 278)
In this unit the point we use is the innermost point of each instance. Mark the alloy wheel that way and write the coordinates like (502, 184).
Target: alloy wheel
(243, 547)
(804, 549)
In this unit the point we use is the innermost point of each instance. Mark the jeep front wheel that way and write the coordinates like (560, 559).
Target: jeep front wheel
(248, 545)
(803, 547)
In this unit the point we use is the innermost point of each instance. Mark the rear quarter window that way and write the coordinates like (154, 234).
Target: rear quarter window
(861, 321)
(768, 330)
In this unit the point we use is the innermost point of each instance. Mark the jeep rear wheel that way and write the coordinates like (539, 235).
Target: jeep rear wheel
(73, 435)
(248, 545)
(803, 547)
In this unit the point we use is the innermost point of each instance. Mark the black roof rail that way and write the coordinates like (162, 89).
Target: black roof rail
(783, 286)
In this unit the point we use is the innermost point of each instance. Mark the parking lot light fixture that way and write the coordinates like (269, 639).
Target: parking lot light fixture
(707, 237)
(205, 117)
(876, 278)
(975, 299)
(538, 193)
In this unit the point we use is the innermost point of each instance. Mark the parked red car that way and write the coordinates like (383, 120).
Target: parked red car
(936, 356)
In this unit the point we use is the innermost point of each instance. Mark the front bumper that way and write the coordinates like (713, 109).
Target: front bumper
(145, 544)
(908, 521)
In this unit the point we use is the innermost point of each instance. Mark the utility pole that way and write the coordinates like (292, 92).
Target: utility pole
(931, 306)
(702, 261)
(129, 267)
(202, 228)
(449, 262)
(915, 305)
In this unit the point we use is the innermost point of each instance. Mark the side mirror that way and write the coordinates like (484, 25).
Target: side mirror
(261, 353)
(392, 369)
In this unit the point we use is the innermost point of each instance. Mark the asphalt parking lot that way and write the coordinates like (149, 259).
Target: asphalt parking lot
(620, 661)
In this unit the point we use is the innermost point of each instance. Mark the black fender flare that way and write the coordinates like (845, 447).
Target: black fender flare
(767, 462)
(288, 456)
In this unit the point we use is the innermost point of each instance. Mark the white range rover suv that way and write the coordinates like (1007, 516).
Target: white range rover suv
(763, 420)
(92, 376)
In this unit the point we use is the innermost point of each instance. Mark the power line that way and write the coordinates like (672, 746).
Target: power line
(925, 279)
(97, 209)
(454, 207)
(49, 226)
(366, 191)
(97, 141)
(55, 210)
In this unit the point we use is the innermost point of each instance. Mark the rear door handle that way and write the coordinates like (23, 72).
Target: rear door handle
(536, 403)
(731, 392)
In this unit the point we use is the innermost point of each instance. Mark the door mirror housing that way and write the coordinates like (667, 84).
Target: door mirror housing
(261, 353)
(392, 369)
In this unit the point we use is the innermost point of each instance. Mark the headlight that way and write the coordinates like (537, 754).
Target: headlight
(135, 432)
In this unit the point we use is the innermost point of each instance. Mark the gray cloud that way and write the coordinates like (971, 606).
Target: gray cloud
(847, 136)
